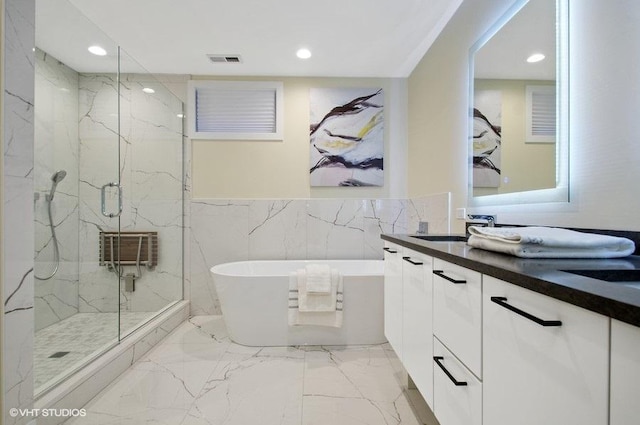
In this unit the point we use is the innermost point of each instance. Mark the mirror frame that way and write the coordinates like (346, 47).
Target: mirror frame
(560, 193)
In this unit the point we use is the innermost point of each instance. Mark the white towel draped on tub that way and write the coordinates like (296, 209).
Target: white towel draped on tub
(307, 308)
(548, 242)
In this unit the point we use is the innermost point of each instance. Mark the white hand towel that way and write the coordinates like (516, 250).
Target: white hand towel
(318, 278)
(548, 242)
(315, 302)
(329, 318)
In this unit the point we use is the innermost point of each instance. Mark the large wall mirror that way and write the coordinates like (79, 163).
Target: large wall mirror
(518, 121)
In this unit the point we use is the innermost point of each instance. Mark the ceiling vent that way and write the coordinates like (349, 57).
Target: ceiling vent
(225, 58)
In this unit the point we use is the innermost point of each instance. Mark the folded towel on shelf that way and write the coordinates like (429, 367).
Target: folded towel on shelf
(548, 242)
(318, 278)
(322, 316)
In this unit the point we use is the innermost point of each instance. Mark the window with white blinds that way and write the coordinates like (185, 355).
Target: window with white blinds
(541, 114)
(235, 110)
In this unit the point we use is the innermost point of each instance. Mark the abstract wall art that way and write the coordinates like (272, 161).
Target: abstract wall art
(487, 138)
(346, 137)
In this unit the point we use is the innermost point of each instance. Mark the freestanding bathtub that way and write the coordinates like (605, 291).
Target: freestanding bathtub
(254, 300)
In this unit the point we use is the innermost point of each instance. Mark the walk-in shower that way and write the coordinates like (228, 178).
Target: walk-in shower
(108, 164)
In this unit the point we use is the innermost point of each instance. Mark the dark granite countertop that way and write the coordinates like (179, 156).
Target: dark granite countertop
(546, 276)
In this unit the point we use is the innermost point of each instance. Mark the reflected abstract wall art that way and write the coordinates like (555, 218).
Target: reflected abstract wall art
(346, 137)
(487, 138)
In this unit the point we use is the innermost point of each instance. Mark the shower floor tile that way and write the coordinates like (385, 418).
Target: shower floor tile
(82, 335)
(197, 376)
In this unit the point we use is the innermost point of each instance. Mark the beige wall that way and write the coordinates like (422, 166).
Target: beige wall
(438, 102)
(280, 169)
(525, 166)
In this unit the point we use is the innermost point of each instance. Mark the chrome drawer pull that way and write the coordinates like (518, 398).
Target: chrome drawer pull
(409, 260)
(389, 250)
(502, 301)
(450, 279)
(457, 383)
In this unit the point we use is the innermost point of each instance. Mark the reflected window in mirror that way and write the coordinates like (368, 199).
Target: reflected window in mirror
(517, 123)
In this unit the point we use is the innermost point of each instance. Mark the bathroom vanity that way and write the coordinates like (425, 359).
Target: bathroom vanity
(492, 339)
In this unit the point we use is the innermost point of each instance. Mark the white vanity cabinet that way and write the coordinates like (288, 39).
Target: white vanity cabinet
(544, 361)
(457, 312)
(393, 296)
(625, 374)
(417, 319)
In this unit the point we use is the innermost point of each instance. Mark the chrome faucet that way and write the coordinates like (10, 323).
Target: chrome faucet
(491, 219)
(423, 228)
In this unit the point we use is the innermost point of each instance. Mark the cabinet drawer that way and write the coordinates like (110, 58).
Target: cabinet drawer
(457, 312)
(545, 361)
(455, 403)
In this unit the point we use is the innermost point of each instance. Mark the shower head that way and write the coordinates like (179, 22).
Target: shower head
(56, 178)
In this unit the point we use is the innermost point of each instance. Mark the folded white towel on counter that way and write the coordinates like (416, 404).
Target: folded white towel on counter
(322, 316)
(318, 278)
(548, 242)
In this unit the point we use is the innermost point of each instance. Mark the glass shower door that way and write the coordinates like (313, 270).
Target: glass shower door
(151, 167)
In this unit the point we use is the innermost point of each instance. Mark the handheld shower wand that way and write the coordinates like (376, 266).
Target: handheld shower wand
(56, 178)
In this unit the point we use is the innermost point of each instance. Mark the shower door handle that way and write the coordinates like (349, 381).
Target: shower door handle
(103, 202)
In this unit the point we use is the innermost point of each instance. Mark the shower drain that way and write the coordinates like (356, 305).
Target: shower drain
(59, 354)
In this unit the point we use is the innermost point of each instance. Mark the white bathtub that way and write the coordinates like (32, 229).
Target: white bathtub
(254, 300)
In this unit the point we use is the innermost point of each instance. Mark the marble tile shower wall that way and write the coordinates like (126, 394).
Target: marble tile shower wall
(17, 217)
(235, 230)
(56, 148)
(150, 167)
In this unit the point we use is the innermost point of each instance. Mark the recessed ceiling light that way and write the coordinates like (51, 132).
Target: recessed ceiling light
(148, 90)
(97, 50)
(536, 57)
(180, 115)
(303, 53)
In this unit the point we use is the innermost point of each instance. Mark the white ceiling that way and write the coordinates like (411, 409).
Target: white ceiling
(348, 38)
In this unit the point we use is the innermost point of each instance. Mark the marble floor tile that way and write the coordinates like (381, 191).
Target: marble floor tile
(252, 383)
(198, 376)
(350, 411)
(199, 330)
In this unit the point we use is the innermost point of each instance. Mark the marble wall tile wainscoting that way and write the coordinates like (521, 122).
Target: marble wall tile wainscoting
(197, 376)
(223, 231)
